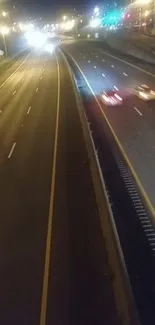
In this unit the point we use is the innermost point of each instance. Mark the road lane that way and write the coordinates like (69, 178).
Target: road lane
(28, 126)
(79, 274)
(134, 121)
(25, 189)
(15, 103)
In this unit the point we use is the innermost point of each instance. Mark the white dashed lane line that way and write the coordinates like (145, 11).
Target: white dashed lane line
(41, 77)
(116, 88)
(88, 61)
(125, 74)
(94, 66)
(28, 110)
(37, 90)
(137, 110)
(103, 60)
(103, 75)
(12, 150)
(14, 93)
(112, 66)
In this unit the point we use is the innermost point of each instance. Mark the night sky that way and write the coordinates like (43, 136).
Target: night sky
(50, 8)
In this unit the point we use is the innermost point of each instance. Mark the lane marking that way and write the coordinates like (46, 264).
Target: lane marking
(139, 184)
(51, 210)
(125, 74)
(37, 90)
(23, 80)
(28, 110)
(11, 75)
(103, 75)
(94, 66)
(41, 77)
(136, 109)
(14, 92)
(103, 60)
(97, 56)
(128, 63)
(112, 66)
(88, 61)
(43, 70)
(116, 88)
(84, 57)
(12, 150)
(0, 111)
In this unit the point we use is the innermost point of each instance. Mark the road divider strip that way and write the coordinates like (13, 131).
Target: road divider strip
(51, 210)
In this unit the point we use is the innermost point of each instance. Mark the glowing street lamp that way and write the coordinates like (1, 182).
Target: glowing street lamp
(146, 13)
(96, 11)
(4, 14)
(5, 31)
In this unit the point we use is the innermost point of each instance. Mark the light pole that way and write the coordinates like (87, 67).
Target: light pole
(5, 31)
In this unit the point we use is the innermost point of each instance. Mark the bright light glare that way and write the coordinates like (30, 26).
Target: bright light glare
(49, 48)
(143, 95)
(118, 97)
(142, 2)
(4, 13)
(96, 10)
(105, 98)
(95, 22)
(36, 39)
(4, 30)
(146, 13)
(26, 27)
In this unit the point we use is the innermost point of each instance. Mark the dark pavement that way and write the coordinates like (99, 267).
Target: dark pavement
(79, 290)
(134, 121)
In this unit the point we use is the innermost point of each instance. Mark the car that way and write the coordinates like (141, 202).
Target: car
(111, 97)
(144, 92)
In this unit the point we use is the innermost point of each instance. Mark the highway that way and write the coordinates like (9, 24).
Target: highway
(133, 122)
(53, 261)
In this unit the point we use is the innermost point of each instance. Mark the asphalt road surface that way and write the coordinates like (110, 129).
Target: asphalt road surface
(134, 121)
(53, 263)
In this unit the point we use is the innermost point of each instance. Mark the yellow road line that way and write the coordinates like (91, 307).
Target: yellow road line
(51, 209)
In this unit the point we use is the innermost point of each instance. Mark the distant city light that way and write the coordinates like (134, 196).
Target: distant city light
(95, 22)
(146, 13)
(4, 30)
(36, 39)
(96, 11)
(4, 13)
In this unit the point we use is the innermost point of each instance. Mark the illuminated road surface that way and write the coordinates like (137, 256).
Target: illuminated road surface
(134, 121)
(50, 228)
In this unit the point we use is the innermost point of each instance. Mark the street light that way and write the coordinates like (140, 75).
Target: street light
(96, 11)
(4, 13)
(146, 13)
(4, 31)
